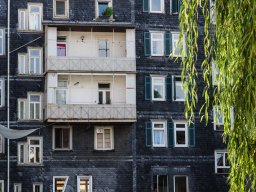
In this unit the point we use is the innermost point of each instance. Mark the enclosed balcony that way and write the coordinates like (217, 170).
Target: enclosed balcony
(89, 51)
(90, 98)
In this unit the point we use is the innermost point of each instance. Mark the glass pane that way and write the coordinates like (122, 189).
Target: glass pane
(32, 64)
(100, 97)
(32, 154)
(180, 94)
(162, 183)
(58, 137)
(34, 9)
(61, 96)
(61, 49)
(34, 53)
(158, 91)
(66, 137)
(22, 108)
(32, 111)
(219, 159)
(59, 184)
(37, 154)
(37, 105)
(21, 153)
(158, 137)
(21, 64)
(107, 138)
(158, 125)
(180, 184)
(34, 142)
(104, 86)
(179, 125)
(108, 101)
(34, 98)
(102, 44)
(226, 160)
(157, 47)
(1, 45)
(180, 137)
(156, 5)
(37, 188)
(62, 83)
(101, 8)
(100, 140)
(84, 185)
(60, 7)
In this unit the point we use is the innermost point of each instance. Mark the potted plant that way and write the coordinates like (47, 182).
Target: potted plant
(108, 12)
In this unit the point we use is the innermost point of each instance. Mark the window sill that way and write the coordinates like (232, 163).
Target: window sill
(29, 31)
(29, 120)
(28, 74)
(30, 165)
(59, 150)
(103, 151)
(104, 19)
(60, 17)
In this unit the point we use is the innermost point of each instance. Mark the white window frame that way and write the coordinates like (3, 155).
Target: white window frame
(64, 43)
(2, 185)
(1, 143)
(33, 16)
(165, 133)
(175, 42)
(60, 177)
(104, 93)
(163, 84)
(70, 138)
(34, 146)
(40, 59)
(2, 36)
(215, 120)
(160, 40)
(102, 1)
(24, 109)
(17, 187)
(187, 184)
(111, 138)
(161, 7)
(61, 88)
(25, 151)
(174, 87)
(22, 58)
(22, 14)
(40, 106)
(181, 129)
(84, 177)
(2, 92)
(38, 184)
(66, 15)
(224, 161)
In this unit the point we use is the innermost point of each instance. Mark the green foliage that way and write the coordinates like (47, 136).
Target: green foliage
(231, 43)
(108, 12)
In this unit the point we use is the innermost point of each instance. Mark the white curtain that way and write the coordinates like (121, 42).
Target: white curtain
(14, 133)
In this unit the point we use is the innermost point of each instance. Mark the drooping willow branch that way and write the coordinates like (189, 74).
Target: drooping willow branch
(231, 44)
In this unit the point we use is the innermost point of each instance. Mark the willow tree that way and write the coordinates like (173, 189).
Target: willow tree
(231, 43)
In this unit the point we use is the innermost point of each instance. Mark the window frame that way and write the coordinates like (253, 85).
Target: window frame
(2, 92)
(161, 7)
(40, 60)
(40, 106)
(175, 122)
(22, 56)
(216, 120)
(62, 43)
(38, 184)
(174, 92)
(66, 15)
(164, 87)
(164, 135)
(2, 185)
(25, 151)
(84, 177)
(160, 40)
(40, 5)
(70, 138)
(104, 93)
(187, 182)
(40, 149)
(19, 185)
(110, 4)
(111, 138)
(25, 26)
(2, 30)
(60, 177)
(175, 42)
(24, 109)
(107, 50)
(223, 151)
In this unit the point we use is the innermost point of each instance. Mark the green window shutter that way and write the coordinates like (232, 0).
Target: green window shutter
(167, 43)
(191, 135)
(174, 88)
(147, 48)
(179, 5)
(170, 133)
(148, 133)
(168, 88)
(145, 5)
(147, 88)
(175, 6)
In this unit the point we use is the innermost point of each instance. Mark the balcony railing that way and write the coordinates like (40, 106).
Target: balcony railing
(91, 113)
(106, 64)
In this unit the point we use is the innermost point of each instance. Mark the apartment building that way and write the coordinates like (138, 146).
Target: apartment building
(96, 79)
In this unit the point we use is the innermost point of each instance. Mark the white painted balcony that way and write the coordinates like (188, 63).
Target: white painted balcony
(95, 64)
(91, 113)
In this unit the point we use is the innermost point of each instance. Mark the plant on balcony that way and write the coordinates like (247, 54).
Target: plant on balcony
(108, 12)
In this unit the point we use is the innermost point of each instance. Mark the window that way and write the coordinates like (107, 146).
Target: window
(61, 46)
(61, 91)
(218, 119)
(160, 183)
(215, 73)
(17, 187)
(1, 145)
(60, 183)
(30, 152)
(35, 58)
(221, 162)
(177, 48)
(1, 92)
(178, 91)
(175, 6)
(102, 5)
(159, 134)
(2, 41)
(21, 109)
(158, 88)
(181, 134)
(104, 138)
(62, 138)
(180, 183)
(104, 93)
(21, 63)
(156, 6)
(1, 185)
(84, 184)
(61, 8)
(22, 14)
(103, 45)
(212, 12)
(35, 17)
(35, 107)
(37, 187)
(157, 46)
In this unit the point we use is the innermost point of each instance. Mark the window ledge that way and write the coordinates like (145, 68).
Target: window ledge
(104, 19)
(103, 151)
(60, 18)
(29, 31)
(29, 120)
(60, 150)
(30, 165)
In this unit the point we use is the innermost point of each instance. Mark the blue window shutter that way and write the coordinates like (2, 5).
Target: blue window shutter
(147, 48)
(147, 88)
(167, 43)
(192, 135)
(170, 133)
(175, 6)
(148, 134)
(145, 5)
(168, 88)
